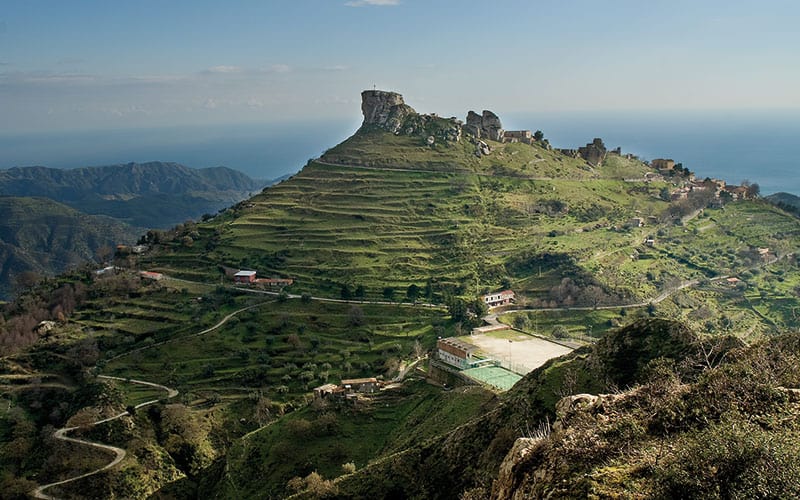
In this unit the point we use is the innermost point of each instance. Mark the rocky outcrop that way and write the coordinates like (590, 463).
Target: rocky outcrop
(594, 153)
(507, 484)
(384, 109)
(484, 126)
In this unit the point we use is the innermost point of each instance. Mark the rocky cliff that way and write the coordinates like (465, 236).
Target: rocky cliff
(384, 109)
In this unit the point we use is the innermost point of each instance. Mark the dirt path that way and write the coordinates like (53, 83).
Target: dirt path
(119, 453)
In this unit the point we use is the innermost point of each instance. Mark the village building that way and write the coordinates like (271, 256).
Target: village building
(636, 222)
(518, 136)
(245, 277)
(456, 352)
(499, 299)
(737, 192)
(151, 275)
(663, 164)
(363, 385)
(326, 391)
(104, 270)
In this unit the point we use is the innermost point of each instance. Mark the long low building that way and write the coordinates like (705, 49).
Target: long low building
(456, 352)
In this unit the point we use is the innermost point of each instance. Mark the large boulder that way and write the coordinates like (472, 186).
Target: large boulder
(384, 109)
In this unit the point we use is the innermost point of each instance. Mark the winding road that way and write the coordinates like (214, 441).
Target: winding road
(119, 453)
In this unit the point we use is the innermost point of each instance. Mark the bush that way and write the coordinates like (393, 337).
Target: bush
(732, 459)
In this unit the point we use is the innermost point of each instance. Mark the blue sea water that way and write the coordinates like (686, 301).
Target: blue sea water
(760, 146)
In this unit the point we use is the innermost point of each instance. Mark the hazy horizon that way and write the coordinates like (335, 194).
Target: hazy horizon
(733, 145)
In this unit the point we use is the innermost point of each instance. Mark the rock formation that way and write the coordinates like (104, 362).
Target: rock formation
(484, 126)
(384, 109)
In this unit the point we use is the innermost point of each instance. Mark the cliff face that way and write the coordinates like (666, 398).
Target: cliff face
(384, 109)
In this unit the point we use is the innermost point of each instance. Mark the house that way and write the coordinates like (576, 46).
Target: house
(456, 352)
(364, 385)
(151, 275)
(636, 222)
(139, 249)
(499, 299)
(245, 277)
(651, 242)
(104, 270)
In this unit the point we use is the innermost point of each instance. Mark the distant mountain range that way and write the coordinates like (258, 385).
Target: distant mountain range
(152, 195)
(54, 219)
(786, 201)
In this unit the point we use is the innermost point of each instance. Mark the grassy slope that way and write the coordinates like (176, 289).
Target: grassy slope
(388, 423)
(450, 220)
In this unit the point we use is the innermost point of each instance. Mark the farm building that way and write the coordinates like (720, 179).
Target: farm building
(456, 352)
(366, 385)
(499, 298)
(151, 275)
(327, 390)
(245, 277)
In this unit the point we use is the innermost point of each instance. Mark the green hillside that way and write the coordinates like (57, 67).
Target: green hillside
(39, 237)
(390, 238)
(150, 195)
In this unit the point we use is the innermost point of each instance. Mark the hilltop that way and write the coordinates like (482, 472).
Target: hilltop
(383, 245)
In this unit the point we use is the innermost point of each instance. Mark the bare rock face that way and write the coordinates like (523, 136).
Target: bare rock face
(384, 109)
(484, 126)
(507, 485)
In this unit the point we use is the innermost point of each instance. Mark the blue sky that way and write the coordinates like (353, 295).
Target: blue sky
(84, 65)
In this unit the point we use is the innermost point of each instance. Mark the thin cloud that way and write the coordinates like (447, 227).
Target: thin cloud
(377, 3)
(224, 69)
(280, 68)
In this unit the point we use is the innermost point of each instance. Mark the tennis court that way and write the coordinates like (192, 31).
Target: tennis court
(495, 376)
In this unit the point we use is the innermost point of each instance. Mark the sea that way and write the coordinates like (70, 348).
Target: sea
(762, 147)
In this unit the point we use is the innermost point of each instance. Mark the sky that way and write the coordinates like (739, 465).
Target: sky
(113, 64)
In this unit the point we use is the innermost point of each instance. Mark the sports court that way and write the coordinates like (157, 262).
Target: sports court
(496, 376)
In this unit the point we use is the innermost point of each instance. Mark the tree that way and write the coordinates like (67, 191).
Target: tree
(360, 292)
(388, 293)
(538, 135)
(412, 292)
(305, 298)
(457, 308)
(356, 316)
(479, 307)
(345, 292)
(560, 332)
